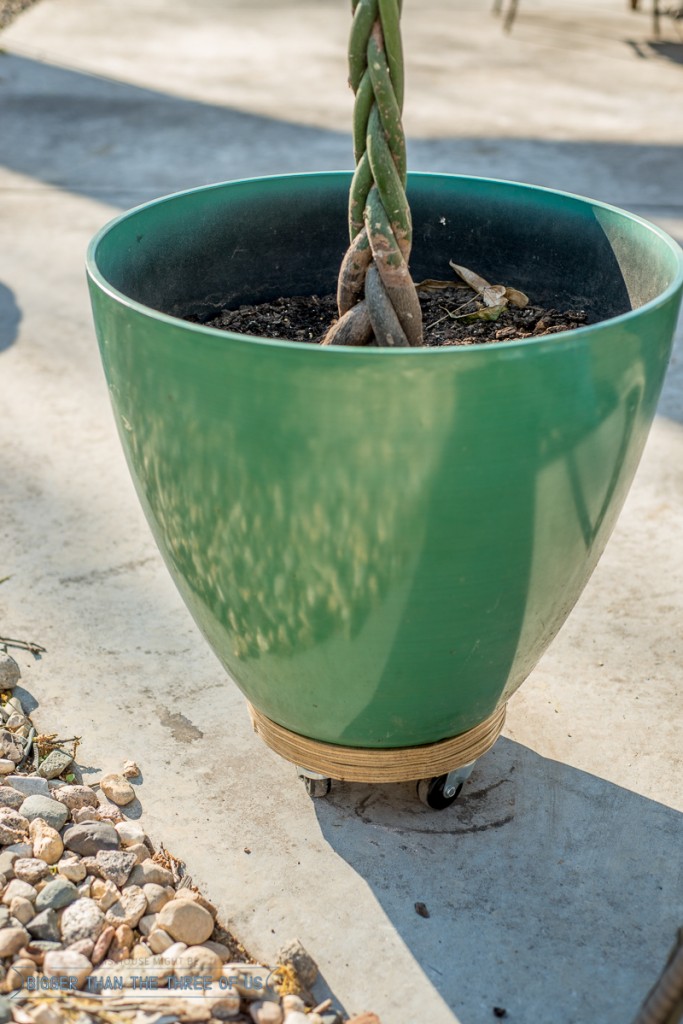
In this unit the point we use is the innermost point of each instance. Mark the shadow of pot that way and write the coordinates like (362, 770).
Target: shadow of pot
(380, 544)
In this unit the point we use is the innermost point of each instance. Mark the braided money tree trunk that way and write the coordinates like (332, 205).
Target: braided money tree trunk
(376, 296)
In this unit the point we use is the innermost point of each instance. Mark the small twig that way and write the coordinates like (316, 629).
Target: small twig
(451, 313)
(25, 645)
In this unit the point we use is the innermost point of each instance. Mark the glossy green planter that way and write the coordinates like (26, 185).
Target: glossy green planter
(380, 544)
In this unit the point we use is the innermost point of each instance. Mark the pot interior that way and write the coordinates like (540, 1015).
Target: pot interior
(253, 241)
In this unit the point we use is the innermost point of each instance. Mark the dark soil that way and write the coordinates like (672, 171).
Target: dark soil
(451, 316)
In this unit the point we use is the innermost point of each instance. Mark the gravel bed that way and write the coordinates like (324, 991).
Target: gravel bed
(96, 922)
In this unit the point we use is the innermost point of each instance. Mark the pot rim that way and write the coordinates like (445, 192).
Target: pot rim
(555, 341)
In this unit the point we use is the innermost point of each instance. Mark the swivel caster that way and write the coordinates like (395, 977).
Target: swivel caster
(443, 790)
(316, 785)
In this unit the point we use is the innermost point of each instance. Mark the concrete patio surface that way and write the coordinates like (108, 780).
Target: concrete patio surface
(555, 885)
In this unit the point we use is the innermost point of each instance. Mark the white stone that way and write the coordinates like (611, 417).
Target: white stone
(293, 1002)
(159, 941)
(199, 961)
(6, 767)
(18, 888)
(157, 896)
(67, 964)
(117, 789)
(47, 842)
(186, 921)
(105, 892)
(81, 920)
(12, 940)
(146, 924)
(129, 908)
(266, 1012)
(72, 869)
(22, 910)
(130, 833)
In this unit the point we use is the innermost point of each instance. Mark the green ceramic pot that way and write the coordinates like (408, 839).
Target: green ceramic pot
(380, 544)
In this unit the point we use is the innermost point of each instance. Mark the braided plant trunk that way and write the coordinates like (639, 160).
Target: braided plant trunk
(376, 295)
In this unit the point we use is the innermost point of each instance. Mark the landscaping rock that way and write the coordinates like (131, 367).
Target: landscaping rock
(29, 785)
(304, 965)
(12, 940)
(30, 869)
(105, 892)
(90, 837)
(102, 944)
(75, 797)
(52, 812)
(56, 895)
(118, 789)
(72, 869)
(159, 941)
(56, 762)
(22, 910)
(10, 673)
(45, 926)
(130, 833)
(199, 961)
(82, 814)
(82, 920)
(148, 872)
(10, 798)
(46, 842)
(115, 865)
(186, 921)
(157, 896)
(13, 826)
(11, 747)
(266, 1012)
(18, 888)
(6, 766)
(67, 964)
(129, 908)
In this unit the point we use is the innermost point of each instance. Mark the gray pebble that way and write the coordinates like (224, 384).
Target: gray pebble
(20, 849)
(91, 836)
(4, 916)
(10, 673)
(115, 865)
(51, 811)
(56, 895)
(45, 926)
(82, 920)
(5, 1010)
(54, 764)
(29, 785)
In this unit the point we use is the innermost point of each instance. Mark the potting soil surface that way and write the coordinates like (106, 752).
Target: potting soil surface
(451, 316)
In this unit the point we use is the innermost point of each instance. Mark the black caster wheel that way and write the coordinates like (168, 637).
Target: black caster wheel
(438, 793)
(317, 787)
